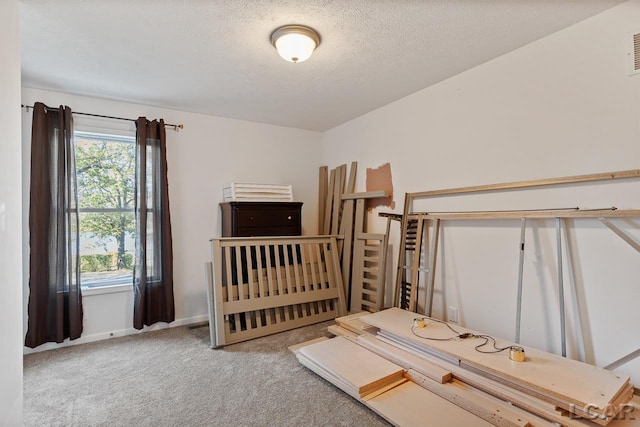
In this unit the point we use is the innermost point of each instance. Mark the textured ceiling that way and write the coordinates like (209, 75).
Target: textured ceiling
(215, 57)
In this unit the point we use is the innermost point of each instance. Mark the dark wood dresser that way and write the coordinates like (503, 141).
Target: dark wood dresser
(247, 219)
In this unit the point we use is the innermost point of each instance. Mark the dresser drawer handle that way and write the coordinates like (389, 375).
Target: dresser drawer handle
(250, 218)
(289, 217)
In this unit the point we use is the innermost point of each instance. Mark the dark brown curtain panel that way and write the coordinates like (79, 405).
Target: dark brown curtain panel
(153, 271)
(55, 302)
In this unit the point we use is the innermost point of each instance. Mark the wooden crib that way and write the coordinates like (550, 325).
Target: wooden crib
(263, 285)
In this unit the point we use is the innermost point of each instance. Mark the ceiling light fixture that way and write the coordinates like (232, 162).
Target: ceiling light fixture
(295, 43)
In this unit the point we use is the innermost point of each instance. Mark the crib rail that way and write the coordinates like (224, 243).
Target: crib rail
(263, 285)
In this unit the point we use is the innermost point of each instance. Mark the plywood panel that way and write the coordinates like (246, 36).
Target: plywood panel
(411, 405)
(356, 366)
(542, 372)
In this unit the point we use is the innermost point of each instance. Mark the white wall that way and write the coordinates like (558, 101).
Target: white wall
(10, 219)
(208, 153)
(563, 105)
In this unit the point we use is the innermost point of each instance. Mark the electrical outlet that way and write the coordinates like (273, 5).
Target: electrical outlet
(452, 314)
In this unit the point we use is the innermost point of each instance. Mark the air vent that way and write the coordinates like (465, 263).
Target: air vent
(635, 55)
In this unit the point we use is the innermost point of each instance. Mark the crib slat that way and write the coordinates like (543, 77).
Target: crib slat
(238, 272)
(296, 267)
(262, 291)
(271, 285)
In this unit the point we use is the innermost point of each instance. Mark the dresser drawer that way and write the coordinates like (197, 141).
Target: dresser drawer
(245, 219)
(267, 231)
(268, 218)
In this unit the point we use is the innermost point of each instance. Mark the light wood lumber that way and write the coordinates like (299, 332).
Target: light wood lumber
(544, 373)
(353, 323)
(624, 236)
(635, 173)
(346, 228)
(362, 369)
(347, 248)
(488, 408)
(360, 334)
(529, 403)
(402, 255)
(341, 301)
(365, 195)
(338, 331)
(294, 348)
(413, 406)
(433, 261)
(531, 407)
(338, 189)
(629, 357)
(384, 263)
(351, 183)
(323, 176)
(536, 214)
(404, 359)
(415, 271)
(326, 229)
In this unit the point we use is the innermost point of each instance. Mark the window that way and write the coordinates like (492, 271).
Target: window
(105, 170)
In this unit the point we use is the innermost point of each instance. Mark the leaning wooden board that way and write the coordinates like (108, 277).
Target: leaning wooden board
(544, 373)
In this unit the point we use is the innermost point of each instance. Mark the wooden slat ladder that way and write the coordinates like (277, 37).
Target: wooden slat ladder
(406, 288)
(354, 223)
(263, 285)
(369, 272)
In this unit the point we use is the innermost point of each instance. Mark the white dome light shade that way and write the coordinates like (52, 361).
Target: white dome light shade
(295, 43)
(295, 47)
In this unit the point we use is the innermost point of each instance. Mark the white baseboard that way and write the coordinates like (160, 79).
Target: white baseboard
(117, 333)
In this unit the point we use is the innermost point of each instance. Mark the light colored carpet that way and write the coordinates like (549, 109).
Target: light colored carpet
(172, 378)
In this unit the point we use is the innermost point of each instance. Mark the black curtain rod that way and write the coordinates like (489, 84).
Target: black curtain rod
(175, 127)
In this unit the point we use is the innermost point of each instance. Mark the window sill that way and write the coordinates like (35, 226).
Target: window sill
(112, 289)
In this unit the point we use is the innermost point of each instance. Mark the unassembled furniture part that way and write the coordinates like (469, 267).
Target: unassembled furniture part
(263, 285)
(363, 260)
(496, 390)
(367, 291)
(380, 384)
(239, 192)
(404, 287)
(568, 384)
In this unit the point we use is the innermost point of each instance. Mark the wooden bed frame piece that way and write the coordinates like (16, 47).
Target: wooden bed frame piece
(408, 288)
(263, 285)
(409, 215)
(369, 273)
(430, 367)
(567, 383)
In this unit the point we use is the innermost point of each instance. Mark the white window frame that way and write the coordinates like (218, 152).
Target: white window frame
(117, 136)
